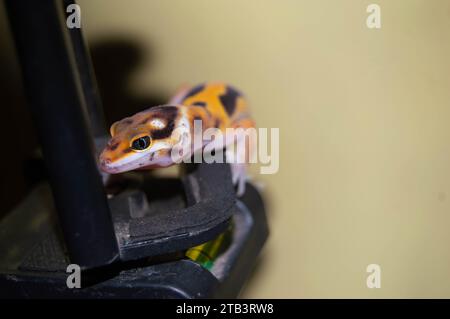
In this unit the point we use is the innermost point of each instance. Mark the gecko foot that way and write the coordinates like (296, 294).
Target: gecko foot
(239, 177)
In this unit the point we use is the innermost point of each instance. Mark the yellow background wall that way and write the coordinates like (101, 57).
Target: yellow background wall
(363, 115)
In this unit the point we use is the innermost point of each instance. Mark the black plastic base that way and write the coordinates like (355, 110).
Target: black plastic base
(38, 271)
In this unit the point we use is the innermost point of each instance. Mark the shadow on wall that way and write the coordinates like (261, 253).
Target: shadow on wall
(114, 62)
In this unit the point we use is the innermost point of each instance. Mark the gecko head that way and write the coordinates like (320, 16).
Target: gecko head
(144, 140)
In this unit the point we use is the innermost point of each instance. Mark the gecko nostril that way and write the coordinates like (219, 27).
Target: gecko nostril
(105, 162)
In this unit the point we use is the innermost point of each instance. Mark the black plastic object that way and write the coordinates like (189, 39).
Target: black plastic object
(87, 80)
(31, 270)
(160, 216)
(207, 201)
(57, 104)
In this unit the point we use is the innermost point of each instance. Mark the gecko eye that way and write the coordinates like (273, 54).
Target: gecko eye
(141, 143)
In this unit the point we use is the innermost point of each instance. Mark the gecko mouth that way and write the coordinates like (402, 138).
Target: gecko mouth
(105, 165)
(116, 169)
(111, 167)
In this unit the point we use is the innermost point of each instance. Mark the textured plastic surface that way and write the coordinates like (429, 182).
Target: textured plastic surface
(44, 276)
(149, 222)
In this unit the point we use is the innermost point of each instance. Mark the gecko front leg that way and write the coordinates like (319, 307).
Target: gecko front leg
(240, 153)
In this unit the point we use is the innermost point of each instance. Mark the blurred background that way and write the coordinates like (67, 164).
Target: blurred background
(363, 115)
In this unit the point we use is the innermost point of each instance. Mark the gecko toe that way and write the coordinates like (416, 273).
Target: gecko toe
(239, 178)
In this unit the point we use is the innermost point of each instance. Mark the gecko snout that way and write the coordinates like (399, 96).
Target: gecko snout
(105, 162)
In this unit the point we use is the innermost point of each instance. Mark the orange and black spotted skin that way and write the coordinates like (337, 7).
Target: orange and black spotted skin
(146, 139)
(218, 105)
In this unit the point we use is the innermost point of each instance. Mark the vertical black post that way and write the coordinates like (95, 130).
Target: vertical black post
(87, 78)
(55, 98)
